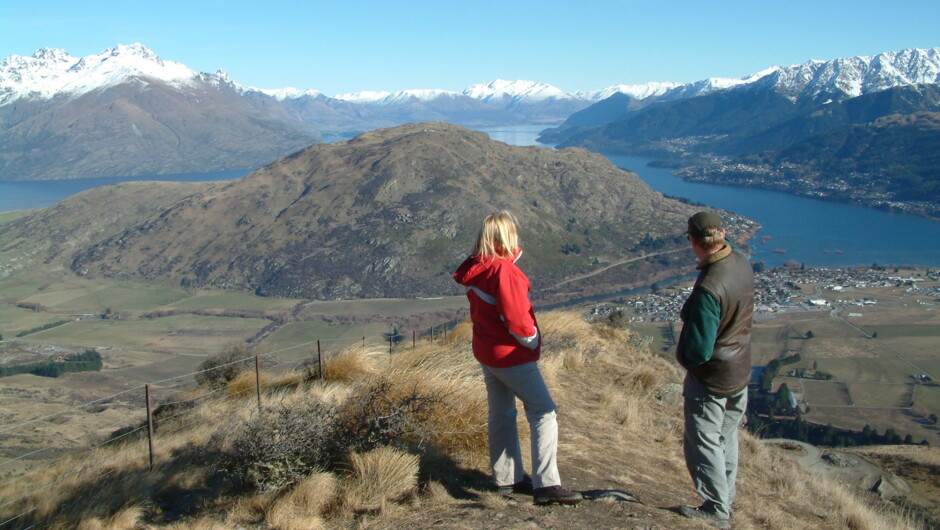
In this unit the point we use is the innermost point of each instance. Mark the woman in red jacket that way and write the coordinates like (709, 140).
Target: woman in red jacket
(507, 344)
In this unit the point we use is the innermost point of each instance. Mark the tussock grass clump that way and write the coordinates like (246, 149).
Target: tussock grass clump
(350, 364)
(380, 475)
(305, 505)
(128, 518)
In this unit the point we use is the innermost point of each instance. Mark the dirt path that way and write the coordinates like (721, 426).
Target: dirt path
(854, 471)
(612, 265)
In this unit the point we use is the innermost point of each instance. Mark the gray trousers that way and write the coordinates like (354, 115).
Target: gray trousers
(711, 443)
(503, 386)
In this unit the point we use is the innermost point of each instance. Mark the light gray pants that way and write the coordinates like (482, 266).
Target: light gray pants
(503, 386)
(711, 445)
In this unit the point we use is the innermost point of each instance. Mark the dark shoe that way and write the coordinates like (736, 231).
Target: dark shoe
(702, 513)
(524, 487)
(556, 495)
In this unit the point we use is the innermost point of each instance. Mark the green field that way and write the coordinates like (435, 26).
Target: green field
(881, 395)
(662, 342)
(299, 339)
(768, 342)
(95, 297)
(867, 370)
(927, 398)
(822, 392)
(14, 320)
(234, 301)
(180, 333)
(386, 306)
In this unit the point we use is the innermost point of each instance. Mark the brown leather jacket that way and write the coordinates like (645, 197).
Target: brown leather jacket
(727, 276)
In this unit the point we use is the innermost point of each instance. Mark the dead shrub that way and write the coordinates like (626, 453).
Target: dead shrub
(282, 445)
(285, 443)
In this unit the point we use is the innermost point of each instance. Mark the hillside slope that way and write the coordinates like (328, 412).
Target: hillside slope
(50, 236)
(415, 456)
(392, 212)
(144, 128)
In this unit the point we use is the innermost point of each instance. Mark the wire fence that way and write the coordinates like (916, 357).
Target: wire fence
(25, 478)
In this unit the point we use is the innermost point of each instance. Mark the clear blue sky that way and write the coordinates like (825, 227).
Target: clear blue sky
(349, 46)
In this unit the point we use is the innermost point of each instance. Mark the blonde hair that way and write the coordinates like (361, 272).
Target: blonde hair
(498, 236)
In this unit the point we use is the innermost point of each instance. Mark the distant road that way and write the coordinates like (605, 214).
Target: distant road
(612, 265)
(100, 347)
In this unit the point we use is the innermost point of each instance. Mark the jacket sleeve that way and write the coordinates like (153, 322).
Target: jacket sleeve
(701, 317)
(515, 309)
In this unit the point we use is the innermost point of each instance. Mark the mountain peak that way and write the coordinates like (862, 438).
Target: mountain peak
(519, 89)
(52, 54)
(50, 72)
(134, 50)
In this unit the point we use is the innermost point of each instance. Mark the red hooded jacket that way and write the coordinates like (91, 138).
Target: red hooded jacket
(502, 315)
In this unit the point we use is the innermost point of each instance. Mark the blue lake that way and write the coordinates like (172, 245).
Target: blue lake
(27, 194)
(810, 231)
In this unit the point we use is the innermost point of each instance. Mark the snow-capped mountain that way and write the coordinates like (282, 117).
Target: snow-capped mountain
(76, 113)
(51, 72)
(856, 76)
(643, 91)
(516, 91)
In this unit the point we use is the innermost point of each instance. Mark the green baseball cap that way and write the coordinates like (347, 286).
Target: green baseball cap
(699, 222)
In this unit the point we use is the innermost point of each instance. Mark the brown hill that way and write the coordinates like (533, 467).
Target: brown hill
(52, 235)
(392, 212)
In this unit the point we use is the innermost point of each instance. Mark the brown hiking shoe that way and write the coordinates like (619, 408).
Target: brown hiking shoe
(525, 487)
(556, 495)
(704, 514)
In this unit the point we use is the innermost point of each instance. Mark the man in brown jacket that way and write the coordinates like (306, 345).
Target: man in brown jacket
(715, 349)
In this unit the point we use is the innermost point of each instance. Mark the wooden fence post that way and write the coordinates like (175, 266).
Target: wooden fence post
(319, 361)
(258, 381)
(414, 338)
(149, 424)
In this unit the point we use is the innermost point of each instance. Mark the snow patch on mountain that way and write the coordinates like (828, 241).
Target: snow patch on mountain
(51, 72)
(282, 94)
(855, 76)
(635, 91)
(501, 89)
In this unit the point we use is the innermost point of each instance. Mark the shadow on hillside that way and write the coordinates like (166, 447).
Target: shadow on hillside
(170, 496)
(460, 482)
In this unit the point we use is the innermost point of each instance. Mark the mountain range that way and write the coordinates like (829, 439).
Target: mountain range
(850, 130)
(128, 112)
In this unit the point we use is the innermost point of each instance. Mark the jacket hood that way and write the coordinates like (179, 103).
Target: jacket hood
(474, 267)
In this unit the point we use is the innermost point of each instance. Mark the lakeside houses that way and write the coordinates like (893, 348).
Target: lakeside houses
(777, 290)
(856, 188)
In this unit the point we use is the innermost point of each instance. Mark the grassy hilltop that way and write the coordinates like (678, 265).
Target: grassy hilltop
(389, 441)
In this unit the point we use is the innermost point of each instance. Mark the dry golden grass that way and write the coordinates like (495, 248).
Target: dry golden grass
(245, 383)
(377, 477)
(795, 498)
(350, 364)
(126, 519)
(614, 393)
